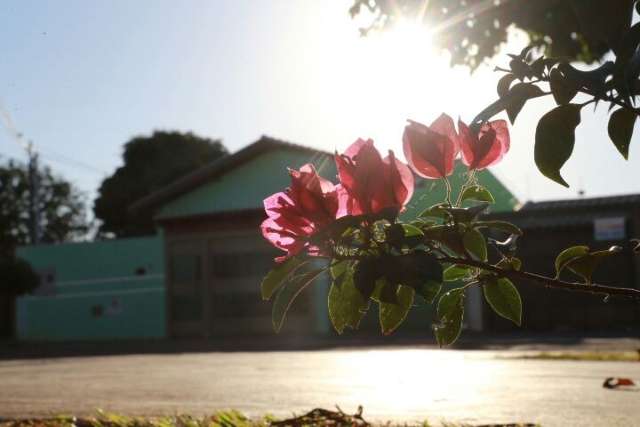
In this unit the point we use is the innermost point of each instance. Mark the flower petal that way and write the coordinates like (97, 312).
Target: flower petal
(444, 126)
(425, 151)
(401, 178)
(467, 140)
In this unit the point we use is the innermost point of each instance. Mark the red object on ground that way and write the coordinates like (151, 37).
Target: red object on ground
(617, 382)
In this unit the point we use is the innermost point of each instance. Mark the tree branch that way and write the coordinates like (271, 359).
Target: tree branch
(547, 281)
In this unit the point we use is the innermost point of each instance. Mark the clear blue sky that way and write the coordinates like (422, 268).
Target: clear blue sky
(80, 78)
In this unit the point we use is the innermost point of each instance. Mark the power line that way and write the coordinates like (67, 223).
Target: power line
(28, 146)
(61, 158)
(10, 127)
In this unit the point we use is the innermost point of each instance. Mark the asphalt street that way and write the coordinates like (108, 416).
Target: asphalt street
(392, 384)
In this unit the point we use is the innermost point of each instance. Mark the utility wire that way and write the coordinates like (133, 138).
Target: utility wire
(28, 146)
(61, 158)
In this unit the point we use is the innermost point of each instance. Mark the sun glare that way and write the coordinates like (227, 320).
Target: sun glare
(398, 76)
(404, 379)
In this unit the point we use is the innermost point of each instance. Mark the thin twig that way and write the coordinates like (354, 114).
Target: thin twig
(546, 281)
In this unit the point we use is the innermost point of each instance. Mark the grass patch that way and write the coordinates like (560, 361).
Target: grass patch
(596, 356)
(317, 417)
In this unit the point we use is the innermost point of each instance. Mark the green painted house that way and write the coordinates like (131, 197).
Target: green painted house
(211, 254)
(216, 255)
(94, 290)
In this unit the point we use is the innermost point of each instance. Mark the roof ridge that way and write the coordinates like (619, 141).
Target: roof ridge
(630, 198)
(213, 169)
(268, 138)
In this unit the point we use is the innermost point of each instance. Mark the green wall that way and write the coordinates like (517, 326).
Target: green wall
(249, 184)
(96, 292)
(99, 259)
(428, 192)
(246, 186)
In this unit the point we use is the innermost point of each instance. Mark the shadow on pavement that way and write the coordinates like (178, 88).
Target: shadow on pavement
(11, 350)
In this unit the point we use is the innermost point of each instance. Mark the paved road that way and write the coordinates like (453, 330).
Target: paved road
(398, 384)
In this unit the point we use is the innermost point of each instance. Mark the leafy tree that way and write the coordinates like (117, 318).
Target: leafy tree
(473, 30)
(60, 206)
(150, 163)
(17, 276)
(61, 217)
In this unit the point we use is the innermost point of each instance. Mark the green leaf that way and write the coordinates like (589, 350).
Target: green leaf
(475, 244)
(563, 89)
(568, 255)
(505, 226)
(392, 315)
(510, 264)
(504, 83)
(447, 236)
(366, 272)
(580, 261)
(288, 293)
(430, 290)
(478, 193)
(584, 266)
(456, 272)
(555, 138)
(450, 314)
(411, 231)
(537, 68)
(476, 210)
(435, 211)
(519, 68)
(413, 269)
(504, 298)
(346, 304)
(337, 269)
(620, 129)
(518, 96)
(278, 275)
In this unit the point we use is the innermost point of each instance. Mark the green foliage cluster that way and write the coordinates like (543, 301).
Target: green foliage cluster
(473, 30)
(149, 164)
(379, 261)
(615, 83)
(61, 217)
(17, 276)
(61, 208)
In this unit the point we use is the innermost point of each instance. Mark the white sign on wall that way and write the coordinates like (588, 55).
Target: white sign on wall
(609, 228)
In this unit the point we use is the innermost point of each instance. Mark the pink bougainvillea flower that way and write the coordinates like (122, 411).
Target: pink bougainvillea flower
(431, 150)
(487, 147)
(296, 214)
(371, 184)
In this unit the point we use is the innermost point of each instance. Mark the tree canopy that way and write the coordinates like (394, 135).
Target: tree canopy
(62, 217)
(60, 205)
(473, 30)
(17, 276)
(150, 163)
